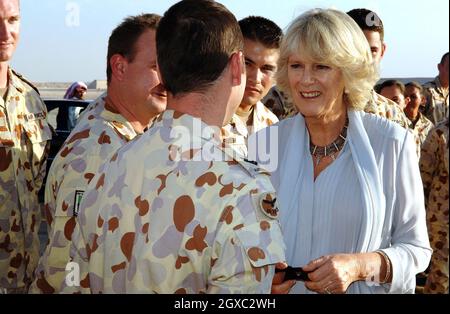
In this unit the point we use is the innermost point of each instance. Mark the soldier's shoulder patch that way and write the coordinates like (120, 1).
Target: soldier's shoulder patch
(27, 82)
(268, 205)
(77, 201)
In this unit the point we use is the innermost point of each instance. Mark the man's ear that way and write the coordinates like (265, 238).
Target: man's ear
(237, 63)
(407, 101)
(119, 65)
(158, 72)
(423, 100)
(383, 49)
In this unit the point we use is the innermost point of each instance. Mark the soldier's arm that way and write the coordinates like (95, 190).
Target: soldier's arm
(246, 250)
(430, 104)
(42, 167)
(428, 161)
(77, 270)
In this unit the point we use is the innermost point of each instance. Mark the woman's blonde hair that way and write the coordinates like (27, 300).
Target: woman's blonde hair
(333, 38)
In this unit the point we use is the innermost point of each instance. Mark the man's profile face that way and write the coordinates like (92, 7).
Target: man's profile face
(443, 68)
(261, 66)
(377, 47)
(141, 79)
(9, 28)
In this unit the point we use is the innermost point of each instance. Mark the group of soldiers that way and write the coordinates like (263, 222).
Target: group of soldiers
(138, 209)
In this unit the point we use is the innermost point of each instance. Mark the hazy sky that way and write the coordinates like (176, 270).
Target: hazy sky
(63, 40)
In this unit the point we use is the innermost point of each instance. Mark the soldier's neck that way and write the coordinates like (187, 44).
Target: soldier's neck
(244, 113)
(412, 113)
(245, 108)
(206, 106)
(443, 81)
(3, 74)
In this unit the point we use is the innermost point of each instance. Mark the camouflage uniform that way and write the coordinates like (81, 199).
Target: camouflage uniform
(97, 136)
(420, 128)
(168, 215)
(388, 109)
(279, 104)
(235, 134)
(24, 142)
(434, 164)
(436, 108)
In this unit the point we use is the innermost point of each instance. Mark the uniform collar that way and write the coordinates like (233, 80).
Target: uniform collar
(183, 124)
(258, 116)
(239, 126)
(439, 86)
(116, 120)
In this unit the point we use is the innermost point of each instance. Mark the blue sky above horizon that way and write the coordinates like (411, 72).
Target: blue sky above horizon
(66, 40)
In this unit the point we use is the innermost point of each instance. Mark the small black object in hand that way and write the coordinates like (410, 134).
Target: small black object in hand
(293, 273)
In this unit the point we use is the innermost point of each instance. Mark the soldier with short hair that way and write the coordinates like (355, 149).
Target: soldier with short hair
(133, 99)
(436, 108)
(172, 212)
(420, 125)
(261, 51)
(394, 90)
(24, 142)
(373, 29)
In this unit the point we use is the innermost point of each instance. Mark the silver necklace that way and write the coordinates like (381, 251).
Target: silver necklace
(319, 152)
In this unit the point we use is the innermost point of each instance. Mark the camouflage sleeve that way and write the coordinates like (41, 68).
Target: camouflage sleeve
(40, 133)
(42, 167)
(428, 161)
(50, 198)
(429, 105)
(245, 251)
(77, 271)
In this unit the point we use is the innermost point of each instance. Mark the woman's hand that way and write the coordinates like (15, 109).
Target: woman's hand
(278, 286)
(332, 273)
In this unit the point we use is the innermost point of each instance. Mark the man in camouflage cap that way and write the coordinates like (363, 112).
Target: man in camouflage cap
(133, 99)
(24, 141)
(436, 108)
(171, 212)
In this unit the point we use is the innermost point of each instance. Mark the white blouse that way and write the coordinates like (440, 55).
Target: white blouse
(369, 198)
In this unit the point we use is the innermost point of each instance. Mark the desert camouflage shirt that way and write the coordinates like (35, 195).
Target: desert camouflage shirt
(235, 134)
(96, 137)
(386, 108)
(168, 214)
(436, 108)
(420, 128)
(434, 168)
(279, 104)
(24, 142)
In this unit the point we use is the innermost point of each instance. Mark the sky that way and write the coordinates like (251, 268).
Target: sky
(66, 40)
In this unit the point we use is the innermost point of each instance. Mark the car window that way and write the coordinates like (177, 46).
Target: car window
(60, 123)
(51, 118)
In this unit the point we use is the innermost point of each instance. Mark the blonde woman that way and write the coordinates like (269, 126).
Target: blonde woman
(349, 189)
